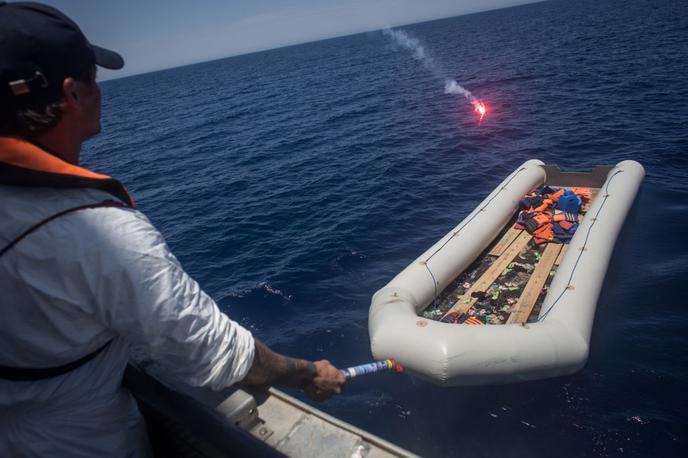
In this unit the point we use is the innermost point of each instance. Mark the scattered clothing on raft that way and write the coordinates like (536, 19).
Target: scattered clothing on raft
(472, 320)
(494, 305)
(552, 215)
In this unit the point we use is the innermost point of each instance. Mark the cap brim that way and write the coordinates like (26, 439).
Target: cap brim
(108, 59)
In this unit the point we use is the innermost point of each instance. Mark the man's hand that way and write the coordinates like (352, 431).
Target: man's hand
(327, 381)
(320, 380)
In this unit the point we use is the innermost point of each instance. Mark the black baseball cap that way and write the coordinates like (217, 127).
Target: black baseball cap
(40, 47)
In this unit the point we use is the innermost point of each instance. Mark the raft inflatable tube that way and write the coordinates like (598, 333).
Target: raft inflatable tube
(558, 342)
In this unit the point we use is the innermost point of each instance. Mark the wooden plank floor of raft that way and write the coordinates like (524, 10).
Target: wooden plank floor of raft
(562, 253)
(508, 237)
(524, 306)
(466, 301)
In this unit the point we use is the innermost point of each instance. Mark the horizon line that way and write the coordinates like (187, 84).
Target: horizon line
(188, 64)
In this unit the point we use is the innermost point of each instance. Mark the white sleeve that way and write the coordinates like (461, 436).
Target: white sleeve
(144, 295)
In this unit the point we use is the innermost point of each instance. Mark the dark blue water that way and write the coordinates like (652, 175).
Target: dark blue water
(294, 183)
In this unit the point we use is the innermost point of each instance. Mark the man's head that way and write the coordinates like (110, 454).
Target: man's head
(47, 72)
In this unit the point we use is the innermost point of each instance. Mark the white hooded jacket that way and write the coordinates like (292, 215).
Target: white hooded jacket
(77, 282)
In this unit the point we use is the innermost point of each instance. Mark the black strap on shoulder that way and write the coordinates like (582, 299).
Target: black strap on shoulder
(105, 203)
(22, 374)
(32, 374)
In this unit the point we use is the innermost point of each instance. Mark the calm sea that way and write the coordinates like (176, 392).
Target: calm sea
(294, 183)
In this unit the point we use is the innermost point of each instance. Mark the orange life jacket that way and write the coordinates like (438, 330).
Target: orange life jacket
(25, 164)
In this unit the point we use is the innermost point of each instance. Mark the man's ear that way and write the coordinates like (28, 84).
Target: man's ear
(70, 93)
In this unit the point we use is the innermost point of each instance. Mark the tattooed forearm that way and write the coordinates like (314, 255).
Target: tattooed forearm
(320, 380)
(270, 368)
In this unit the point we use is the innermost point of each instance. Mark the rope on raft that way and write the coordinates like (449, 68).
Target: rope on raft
(582, 249)
(456, 233)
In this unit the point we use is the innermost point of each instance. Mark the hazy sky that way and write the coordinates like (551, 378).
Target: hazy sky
(157, 34)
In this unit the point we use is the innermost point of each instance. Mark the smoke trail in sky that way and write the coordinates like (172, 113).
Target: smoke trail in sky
(414, 45)
(419, 53)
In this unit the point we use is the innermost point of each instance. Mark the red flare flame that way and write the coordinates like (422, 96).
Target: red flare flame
(480, 109)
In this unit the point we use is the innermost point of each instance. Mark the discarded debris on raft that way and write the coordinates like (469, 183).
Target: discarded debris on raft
(539, 215)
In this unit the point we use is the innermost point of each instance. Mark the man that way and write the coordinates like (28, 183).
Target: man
(84, 276)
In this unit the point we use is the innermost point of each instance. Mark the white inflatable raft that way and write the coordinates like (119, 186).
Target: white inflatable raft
(557, 343)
